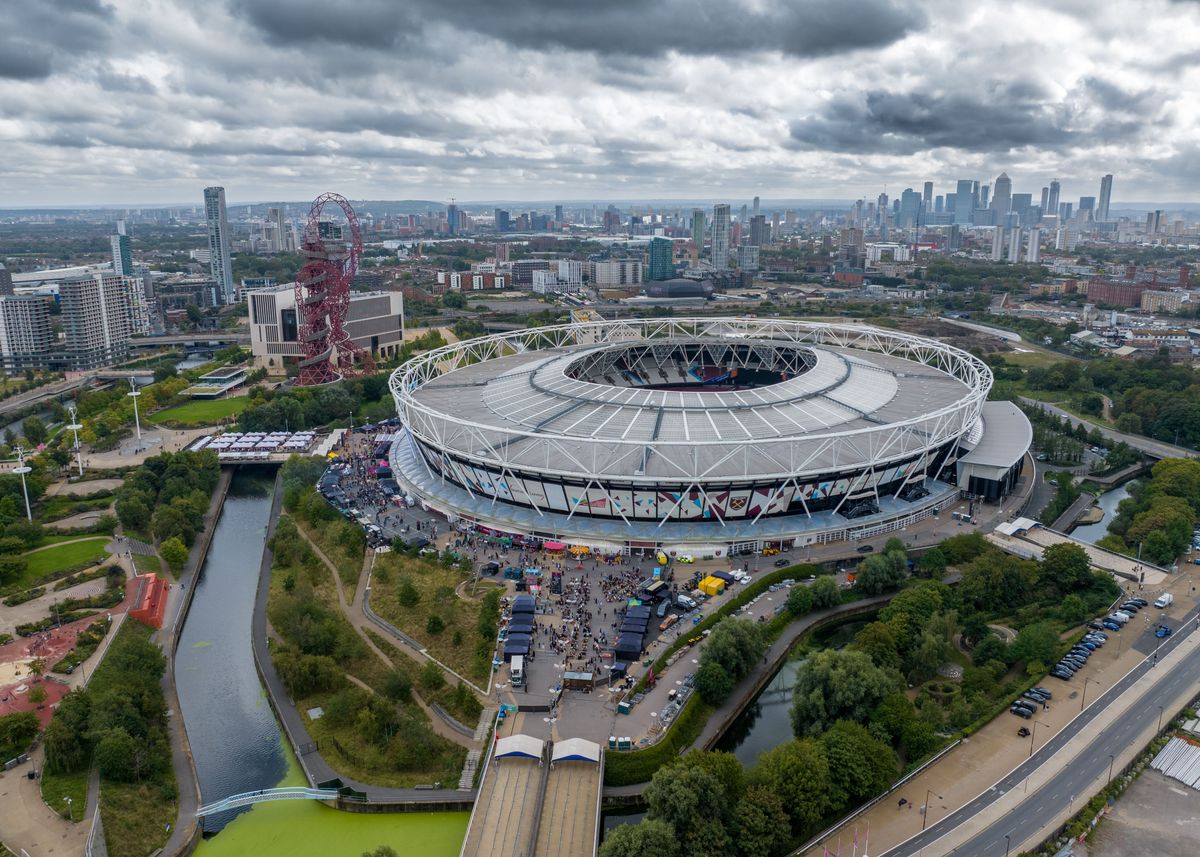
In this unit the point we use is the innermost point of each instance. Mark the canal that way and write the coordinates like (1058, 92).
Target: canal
(1108, 502)
(236, 742)
(235, 739)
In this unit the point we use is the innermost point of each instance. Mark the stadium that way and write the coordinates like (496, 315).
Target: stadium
(715, 435)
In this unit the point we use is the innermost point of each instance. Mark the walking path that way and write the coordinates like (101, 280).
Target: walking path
(27, 824)
(359, 622)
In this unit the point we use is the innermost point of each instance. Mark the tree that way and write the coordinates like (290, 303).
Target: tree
(432, 677)
(175, 553)
(835, 684)
(1066, 566)
(761, 824)
(989, 648)
(37, 694)
(713, 683)
(408, 595)
(650, 838)
(681, 794)
(799, 600)
(435, 624)
(825, 592)
(116, 751)
(1036, 642)
(17, 732)
(798, 772)
(881, 572)
(12, 567)
(736, 645)
(1073, 610)
(878, 641)
(932, 564)
(397, 687)
(381, 851)
(34, 429)
(860, 765)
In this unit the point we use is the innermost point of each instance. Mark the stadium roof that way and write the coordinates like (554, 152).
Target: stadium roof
(1006, 437)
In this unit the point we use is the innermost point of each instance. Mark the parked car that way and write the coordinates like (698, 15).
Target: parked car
(1119, 617)
(1111, 625)
(663, 608)
(866, 548)
(1141, 602)
(1162, 631)
(1060, 674)
(782, 563)
(1130, 607)
(1021, 712)
(1044, 692)
(1095, 626)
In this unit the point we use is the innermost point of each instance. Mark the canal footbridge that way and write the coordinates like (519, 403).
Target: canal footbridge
(265, 795)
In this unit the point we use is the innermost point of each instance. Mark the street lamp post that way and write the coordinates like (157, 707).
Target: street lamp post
(1033, 736)
(1110, 766)
(75, 427)
(133, 393)
(1083, 698)
(1160, 717)
(21, 469)
(1007, 843)
(925, 815)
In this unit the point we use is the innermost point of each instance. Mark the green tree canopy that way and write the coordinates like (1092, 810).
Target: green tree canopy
(832, 685)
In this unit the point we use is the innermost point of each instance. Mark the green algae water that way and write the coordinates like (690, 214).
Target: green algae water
(294, 828)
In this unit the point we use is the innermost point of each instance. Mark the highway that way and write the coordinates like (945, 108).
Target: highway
(1153, 448)
(1071, 787)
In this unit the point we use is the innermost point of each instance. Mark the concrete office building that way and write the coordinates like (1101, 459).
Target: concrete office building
(1002, 196)
(964, 201)
(720, 237)
(747, 257)
(219, 261)
(374, 321)
(95, 314)
(25, 335)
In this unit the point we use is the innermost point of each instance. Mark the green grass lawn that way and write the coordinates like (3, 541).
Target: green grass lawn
(1029, 358)
(43, 562)
(145, 564)
(201, 412)
(57, 786)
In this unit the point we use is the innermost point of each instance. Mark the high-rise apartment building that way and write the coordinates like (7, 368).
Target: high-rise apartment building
(219, 262)
(1052, 195)
(139, 306)
(756, 201)
(1033, 254)
(660, 264)
(95, 315)
(1002, 196)
(6, 283)
(276, 234)
(758, 230)
(747, 257)
(122, 258)
(452, 219)
(1045, 199)
(997, 244)
(558, 214)
(1105, 198)
(720, 237)
(25, 335)
(927, 196)
(698, 229)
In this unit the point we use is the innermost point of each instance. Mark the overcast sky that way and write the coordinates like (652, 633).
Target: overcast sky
(145, 101)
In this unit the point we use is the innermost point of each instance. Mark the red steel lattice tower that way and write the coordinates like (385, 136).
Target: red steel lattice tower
(323, 297)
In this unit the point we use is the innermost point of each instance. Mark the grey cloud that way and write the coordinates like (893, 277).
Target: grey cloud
(999, 120)
(42, 37)
(617, 27)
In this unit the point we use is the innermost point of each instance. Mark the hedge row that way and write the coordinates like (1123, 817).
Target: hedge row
(627, 767)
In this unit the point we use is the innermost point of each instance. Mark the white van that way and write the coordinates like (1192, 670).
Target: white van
(1164, 600)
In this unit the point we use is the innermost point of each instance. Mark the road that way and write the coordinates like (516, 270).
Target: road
(1069, 788)
(1154, 448)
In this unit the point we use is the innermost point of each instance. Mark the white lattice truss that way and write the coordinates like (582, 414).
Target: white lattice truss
(792, 457)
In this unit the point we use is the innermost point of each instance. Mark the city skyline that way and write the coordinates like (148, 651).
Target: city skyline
(133, 104)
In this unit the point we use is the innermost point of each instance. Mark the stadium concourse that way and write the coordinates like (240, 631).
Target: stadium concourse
(714, 437)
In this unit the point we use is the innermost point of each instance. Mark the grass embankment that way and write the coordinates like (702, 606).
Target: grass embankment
(371, 730)
(200, 412)
(57, 786)
(42, 561)
(418, 597)
(638, 766)
(66, 505)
